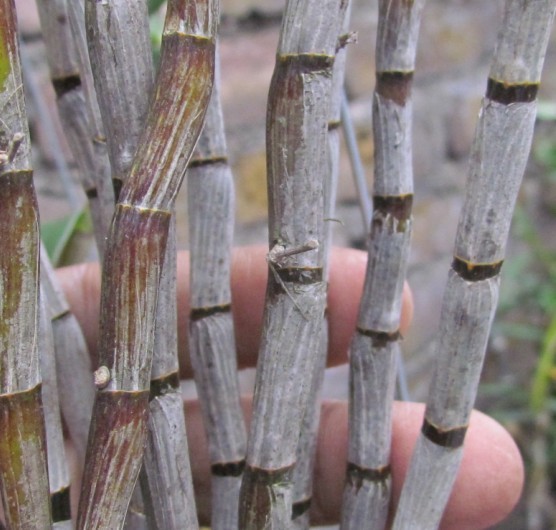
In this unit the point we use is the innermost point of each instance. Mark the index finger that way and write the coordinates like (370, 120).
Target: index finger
(81, 284)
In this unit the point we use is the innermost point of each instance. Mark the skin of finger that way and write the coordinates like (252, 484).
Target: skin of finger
(489, 482)
(488, 486)
(81, 284)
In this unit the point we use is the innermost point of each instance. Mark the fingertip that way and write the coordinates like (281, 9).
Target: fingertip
(491, 477)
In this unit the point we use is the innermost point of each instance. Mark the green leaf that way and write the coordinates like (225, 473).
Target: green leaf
(56, 235)
(546, 110)
(155, 5)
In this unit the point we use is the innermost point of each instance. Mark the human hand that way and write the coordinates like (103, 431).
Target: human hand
(490, 479)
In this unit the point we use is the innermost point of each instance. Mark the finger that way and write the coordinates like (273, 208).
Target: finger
(81, 283)
(488, 486)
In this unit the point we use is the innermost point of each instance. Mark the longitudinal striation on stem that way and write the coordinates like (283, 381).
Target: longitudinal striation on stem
(297, 120)
(121, 59)
(498, 157)
(375, 345)
(306, 449)
(211, 329)
(75, 112)
(23, 467)
(58, 469)
(134, 258)
(73, 364)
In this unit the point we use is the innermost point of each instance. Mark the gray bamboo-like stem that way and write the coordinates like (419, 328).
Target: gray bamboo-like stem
(498, 158)
(63, 61)
(306, 449)
(58, 473)
(212, 341)
(121, 59)
(73, 364)
(375, 345)
(166, 480)
(23, 463)
(135, 254)
(297, 123)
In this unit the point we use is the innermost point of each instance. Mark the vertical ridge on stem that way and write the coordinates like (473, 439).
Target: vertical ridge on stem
(498, 157)
(134, 258)
(211, 332)
(297, 120)
(375, 344)
(23, 463)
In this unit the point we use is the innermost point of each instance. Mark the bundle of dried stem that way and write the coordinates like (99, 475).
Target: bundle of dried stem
(297, 120)
(64, 63)
(375, 345)
(134, 258)
(211, 336)
(23, 466)
(499, 154)
(73, 364)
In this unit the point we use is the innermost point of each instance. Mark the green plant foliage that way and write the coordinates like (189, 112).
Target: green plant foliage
(155, 5)
(57, 235)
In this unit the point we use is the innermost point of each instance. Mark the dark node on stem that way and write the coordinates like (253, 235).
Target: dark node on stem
(164, 385)
(228, 469)
(395, 86)
(301, 275)
(379, 338)
(197, 313)
(475, 272)
(306, 62)
(449, 438)
(398, 206)
(301, 507)
(63, 85)
(208, 161)
(117, 184)
(332, 125)
(258, 494)
(508, 93)
(356, 475)
(61, 507)
(92, 193)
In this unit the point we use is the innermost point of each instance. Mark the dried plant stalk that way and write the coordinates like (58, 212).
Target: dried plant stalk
(297, 120)
(306, 450)
(212, 342)
(63, 61)
(135, 253)
(23, 468)
(73, 364)
(121, 62)
(166, 481)
(375, 345)
(499, 154)
(58, 473)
